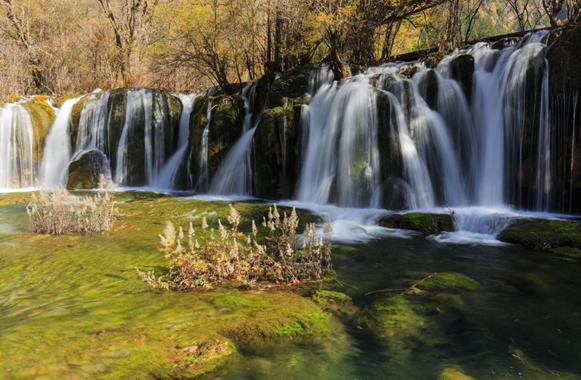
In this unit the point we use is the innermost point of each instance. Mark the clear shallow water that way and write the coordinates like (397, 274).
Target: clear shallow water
(524, 321)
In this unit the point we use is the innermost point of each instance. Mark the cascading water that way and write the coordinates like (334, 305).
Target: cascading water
(420, 191)
(425, 137)
(233, 177)
(92, 132)
(145, 134)
(169, 172)
(17, 169)
(204, 170)
(342, 146)
(57, 149)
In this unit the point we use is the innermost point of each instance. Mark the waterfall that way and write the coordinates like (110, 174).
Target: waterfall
(16, 148)
(234, 176)
(92, 132)
(421, 194)
(167, 177)
(57, 148)
(500, 112)
(141, 151)
(341, 146)
(204, 171)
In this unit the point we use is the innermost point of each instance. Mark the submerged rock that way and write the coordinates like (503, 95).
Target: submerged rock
(86, 170)
(553, 235)
(453, 373)
(420, 314)
(334, 302)
(419, 221)
(199, 359)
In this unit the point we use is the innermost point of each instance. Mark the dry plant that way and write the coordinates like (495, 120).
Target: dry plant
(282, 256)
(59, 212)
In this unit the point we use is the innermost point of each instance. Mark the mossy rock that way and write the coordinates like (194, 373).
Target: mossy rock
(308, 320)
(226, 121)
(76, 118)
(85, 171)
(59, 100)
(277, 148)
(42, 115)
(418, 221)
(453, 373)
(553, 235)
(393, 318)
(335, 302)
(448, 281)
(293, 83)
(198, 359)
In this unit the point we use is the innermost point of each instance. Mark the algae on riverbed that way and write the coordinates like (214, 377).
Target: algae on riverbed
(73, 306)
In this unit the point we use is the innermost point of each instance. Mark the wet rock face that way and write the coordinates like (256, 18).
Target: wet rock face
(225, 120)
(462, 70)
(564, 58)
(85, 171)
(277, 151)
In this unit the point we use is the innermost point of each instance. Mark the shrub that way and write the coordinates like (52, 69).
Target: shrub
(279, 257)
(59, 212)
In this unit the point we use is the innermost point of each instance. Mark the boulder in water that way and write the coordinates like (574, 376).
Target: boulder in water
(419, 221)
(561, 236)
(86, 170)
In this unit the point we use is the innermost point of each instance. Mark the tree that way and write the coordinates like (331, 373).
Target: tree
(18, 30)
(128, 20)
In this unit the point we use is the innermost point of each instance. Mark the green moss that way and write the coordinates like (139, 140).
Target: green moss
(393, 317)
(453, 373)
(42, 116)
(86, 313)
(75, 119)
(551, 235)
(58, 101)
(417, 221)
(442, 281)
(293, 83)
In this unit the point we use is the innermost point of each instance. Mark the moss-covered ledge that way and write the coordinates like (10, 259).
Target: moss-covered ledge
(561, 236)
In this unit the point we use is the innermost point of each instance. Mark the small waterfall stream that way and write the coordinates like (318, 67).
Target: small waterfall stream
(16, 148)
(234, 176)
(204, 170)
(167, 177)
(57, 149)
